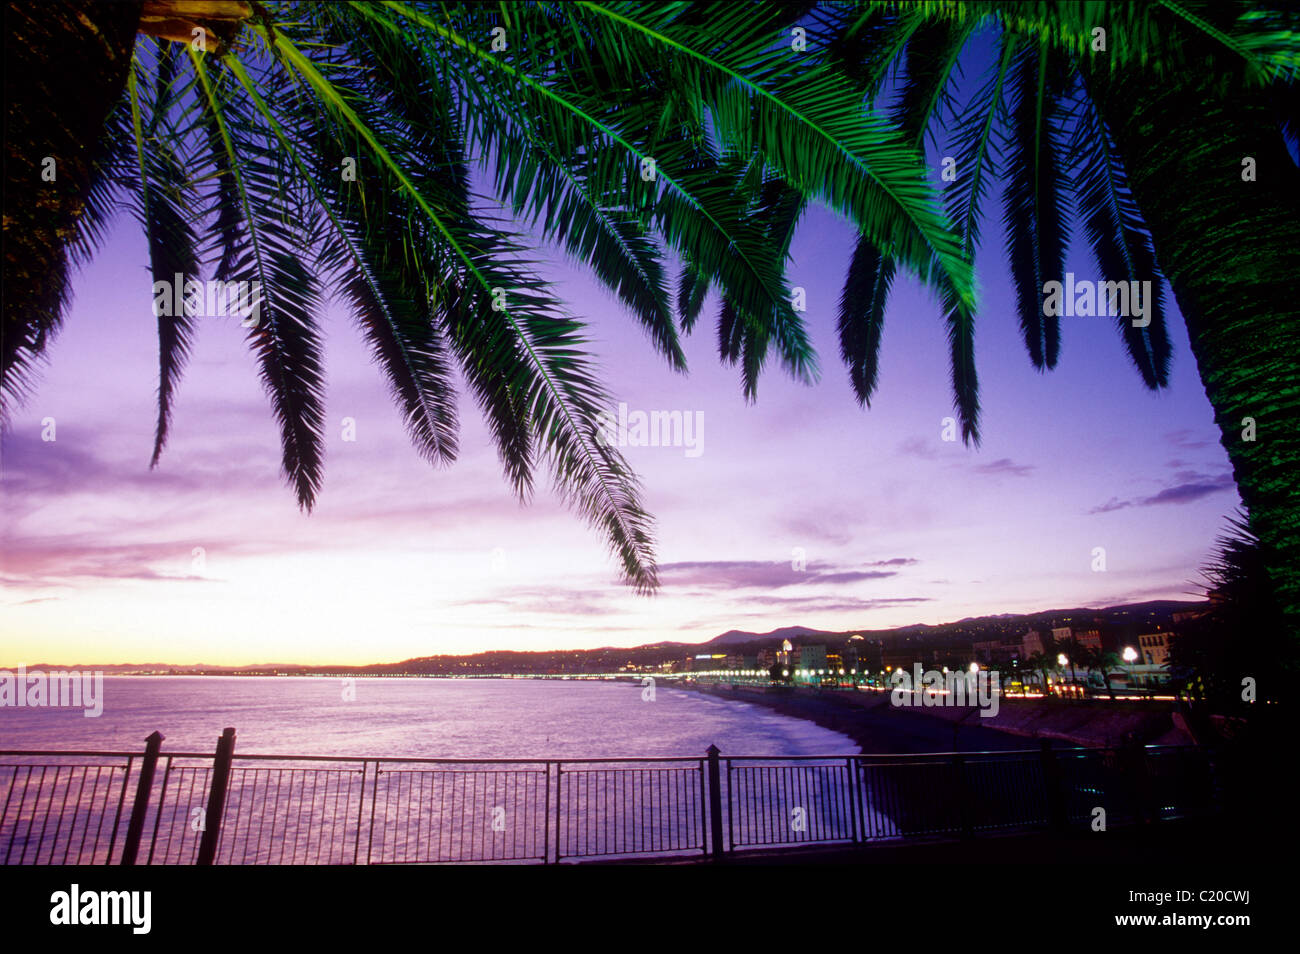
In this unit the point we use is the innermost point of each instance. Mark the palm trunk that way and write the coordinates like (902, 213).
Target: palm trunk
(65, 66)
(1231, 251)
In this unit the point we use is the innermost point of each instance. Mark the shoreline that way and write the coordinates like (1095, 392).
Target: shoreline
(879, 728)
(870, 722)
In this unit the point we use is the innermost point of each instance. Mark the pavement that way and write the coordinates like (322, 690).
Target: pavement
(1189, 841)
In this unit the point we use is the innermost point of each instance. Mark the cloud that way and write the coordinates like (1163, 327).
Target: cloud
(52, 561)
(756, 574)
(828, 604)
(1005, 465)
(71, 464)
(572, 601)
(828, 529)
(1187, 439)
(81, 508)
(1170, 591)
(1186, 492)
(918, 447)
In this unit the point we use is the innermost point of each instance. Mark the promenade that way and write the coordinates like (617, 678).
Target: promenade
(878, 727)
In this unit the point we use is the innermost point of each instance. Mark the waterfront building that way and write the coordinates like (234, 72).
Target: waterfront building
(1154, 648)
(812, 657)
(786, 656)
(1088, 638)
(996, 650)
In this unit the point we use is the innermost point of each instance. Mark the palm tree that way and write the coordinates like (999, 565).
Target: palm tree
(1043, 664)
(1073, 653)
(1107, 662)
(1101, 662)
(308, 148)
(1238, 642)
(619, 126)
(1173, 132)
(1239, 636)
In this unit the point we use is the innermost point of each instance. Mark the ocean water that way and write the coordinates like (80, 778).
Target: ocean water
(422, 718)
(291, 810)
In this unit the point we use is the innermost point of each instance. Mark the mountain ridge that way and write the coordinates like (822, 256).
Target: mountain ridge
(963, 630)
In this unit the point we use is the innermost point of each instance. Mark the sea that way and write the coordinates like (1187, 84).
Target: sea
(418, 718)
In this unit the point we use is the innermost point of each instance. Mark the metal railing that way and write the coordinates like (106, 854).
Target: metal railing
(223, 808)
(62, 808)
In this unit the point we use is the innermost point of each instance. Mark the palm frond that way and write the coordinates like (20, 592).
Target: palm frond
(163, 199)
(972, 144)
(731, 333)
(862, 316)
(697, 212)
(692, 287)
(931, 62)
(1120, 242)
(271, 239)
(496, 311)
(1034, 212)
(866, 44)
(806, 122)
(387, 289)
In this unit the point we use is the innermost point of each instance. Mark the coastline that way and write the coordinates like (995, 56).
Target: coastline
(879, 728)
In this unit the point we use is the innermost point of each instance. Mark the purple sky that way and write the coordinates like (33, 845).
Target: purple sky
(401, 559)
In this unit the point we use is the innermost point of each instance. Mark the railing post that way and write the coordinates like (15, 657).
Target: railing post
(715, 800)
(135, 828)
(546, 819)
(559, 809)
(361, 817)
(852, 766)
(217, 797)
(1052, 785)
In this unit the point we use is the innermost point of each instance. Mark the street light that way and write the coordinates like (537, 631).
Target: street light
(1062, 661)
(1130, 656)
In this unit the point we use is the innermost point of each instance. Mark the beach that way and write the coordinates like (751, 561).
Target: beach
(880, 728)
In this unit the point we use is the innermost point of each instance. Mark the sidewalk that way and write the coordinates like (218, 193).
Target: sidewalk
(1196, 841)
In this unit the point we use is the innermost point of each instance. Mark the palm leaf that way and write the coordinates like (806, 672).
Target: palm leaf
(386, 289)
(692, 287)
(1034, 198)
(162, 200)
(806, 122)
(538, 348)
(862, 316)
(1120, 242)
(283, 333)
